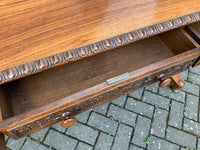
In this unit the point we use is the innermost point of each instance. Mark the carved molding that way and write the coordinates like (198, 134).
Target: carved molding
(91, 102)
(39, 65)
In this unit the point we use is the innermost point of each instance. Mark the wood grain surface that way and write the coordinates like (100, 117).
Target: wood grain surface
(33, 29)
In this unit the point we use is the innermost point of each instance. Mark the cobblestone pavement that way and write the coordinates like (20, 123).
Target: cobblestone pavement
(151, 118)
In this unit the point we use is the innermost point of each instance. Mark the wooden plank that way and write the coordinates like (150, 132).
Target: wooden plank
(35, 29)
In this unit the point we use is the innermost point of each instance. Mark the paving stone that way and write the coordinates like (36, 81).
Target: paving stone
(141, 131)
(104, 142)
(157, 100)
(184, 75)
(122, 138)
(81, 131)
(198, 144)
(60, 141)
(103, 123)
(160, 144)
(102, 109)
(122, 115)
(192, 103)
(166, 91)
(31, 145)
(159, 123)
(181, 138)
(120, 101)
(139, 107)
(83, 146)
(58, 127)
(153, 87)
(15, 144)
(195, 70)
(133, 147)
(191, 88)
(194, 78)
(176, 114)
(137, 94)
(40, 134)
(191, 126)
(83, 117)
(6, 137)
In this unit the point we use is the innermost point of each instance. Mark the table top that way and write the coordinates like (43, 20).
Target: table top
(40, 34)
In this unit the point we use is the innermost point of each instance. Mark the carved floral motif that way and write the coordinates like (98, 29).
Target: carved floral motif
(94, 101)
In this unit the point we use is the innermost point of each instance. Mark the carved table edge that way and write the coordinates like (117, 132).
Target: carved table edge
(49, 62)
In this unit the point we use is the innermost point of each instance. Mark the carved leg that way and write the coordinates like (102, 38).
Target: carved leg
(177, 82)
(2, 142)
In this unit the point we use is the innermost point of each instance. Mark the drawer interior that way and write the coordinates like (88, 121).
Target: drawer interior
(194, 31)
(49, 86)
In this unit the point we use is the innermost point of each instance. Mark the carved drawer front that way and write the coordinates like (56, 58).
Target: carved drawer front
(59, 94)
(88, 103)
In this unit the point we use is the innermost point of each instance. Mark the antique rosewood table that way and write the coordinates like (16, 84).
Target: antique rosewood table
(59, 58)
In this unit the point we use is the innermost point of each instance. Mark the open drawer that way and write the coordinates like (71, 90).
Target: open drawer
(38, 101)
(194, 31)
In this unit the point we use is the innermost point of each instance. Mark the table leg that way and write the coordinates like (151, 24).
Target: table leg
(2, 142)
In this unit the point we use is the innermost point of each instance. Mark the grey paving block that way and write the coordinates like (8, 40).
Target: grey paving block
(103, 123)
(83, 133)
(120, 101)
(184, 74)
(198, 144)
(160, 144)
(141, 131)
(159, 123)
(181, 138)
(139, 107)
(122, 138)
(166, 91)
(104, 142)
(137, 94)
(15, 144)
(83, 117)
(58, 127)
(60, 141)
(191, 88)
(176, 114)
(191, 126)
(157, 100)
(195, 70)
(192, 103)
(31, 145)
(83, 146)
(153, 87)
(133, 147)
(194, 78)
(122, 115)
(102, 109)
(40, 134)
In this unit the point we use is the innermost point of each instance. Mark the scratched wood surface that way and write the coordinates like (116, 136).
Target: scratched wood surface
(33, 29)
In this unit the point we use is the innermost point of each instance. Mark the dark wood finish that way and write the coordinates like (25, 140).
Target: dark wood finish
(39, 35)
(194, 31)
(177, 82)
(46, 98)
(2, 142)
(56, 35)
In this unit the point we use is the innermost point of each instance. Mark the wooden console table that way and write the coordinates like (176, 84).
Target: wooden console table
(59, 58)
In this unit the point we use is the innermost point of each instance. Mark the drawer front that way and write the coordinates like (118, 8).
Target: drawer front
(100, 98)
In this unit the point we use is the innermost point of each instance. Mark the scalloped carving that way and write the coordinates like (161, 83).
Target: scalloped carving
(92, 49)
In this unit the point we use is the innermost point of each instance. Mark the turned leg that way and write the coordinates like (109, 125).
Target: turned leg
(177, 82)
(2, 142)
